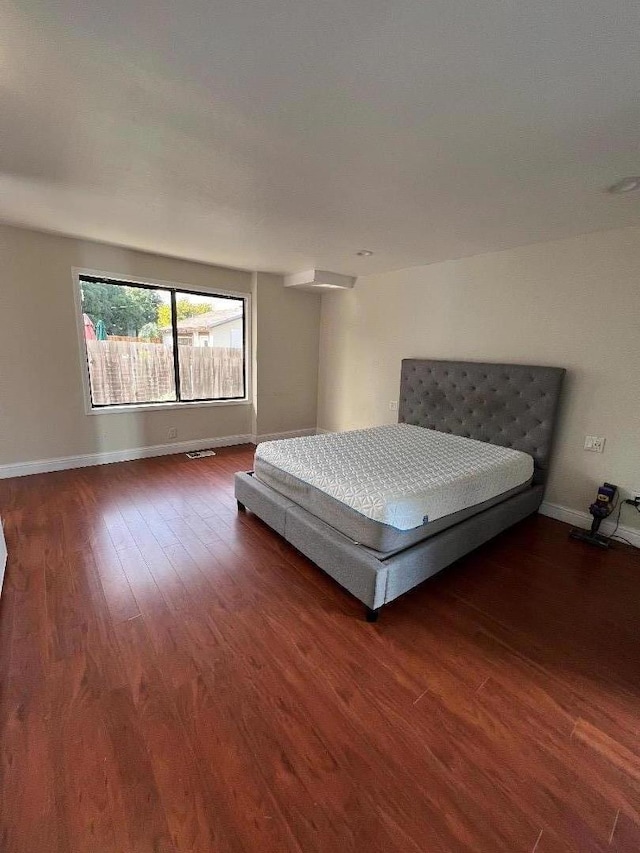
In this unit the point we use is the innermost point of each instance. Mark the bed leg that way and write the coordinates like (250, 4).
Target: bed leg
(241, 507)
(372, 615)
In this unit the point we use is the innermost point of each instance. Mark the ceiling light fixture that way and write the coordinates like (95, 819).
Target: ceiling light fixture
(625, 185)
(364, 253)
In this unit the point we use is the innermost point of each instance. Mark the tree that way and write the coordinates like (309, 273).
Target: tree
(124, 310)
(149, 332)
(184, 308)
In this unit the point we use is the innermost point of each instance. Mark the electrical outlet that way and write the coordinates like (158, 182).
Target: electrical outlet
(172, 432)
(594, 443)
(393, 405)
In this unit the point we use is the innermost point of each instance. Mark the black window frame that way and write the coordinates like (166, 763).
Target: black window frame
(172, 290)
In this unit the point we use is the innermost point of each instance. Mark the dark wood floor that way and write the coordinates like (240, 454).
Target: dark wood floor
(176, 677)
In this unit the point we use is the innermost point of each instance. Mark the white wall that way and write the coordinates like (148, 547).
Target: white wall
(222, 336)
(573, 303)
(42, 412)
(287, 363)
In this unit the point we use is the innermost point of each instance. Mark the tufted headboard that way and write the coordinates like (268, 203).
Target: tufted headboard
(513, 405)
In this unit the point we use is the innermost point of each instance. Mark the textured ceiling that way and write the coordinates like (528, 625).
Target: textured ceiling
(288, 134)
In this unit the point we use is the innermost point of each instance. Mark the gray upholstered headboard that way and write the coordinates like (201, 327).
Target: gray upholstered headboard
(513, 405)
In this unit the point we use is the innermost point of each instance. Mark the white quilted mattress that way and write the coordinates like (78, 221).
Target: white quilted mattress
(401, 475)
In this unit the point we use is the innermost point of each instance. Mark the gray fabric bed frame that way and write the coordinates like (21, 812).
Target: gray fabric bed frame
(511, 405)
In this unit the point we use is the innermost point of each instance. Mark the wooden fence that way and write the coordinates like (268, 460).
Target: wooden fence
(140, 372)
(133, 340)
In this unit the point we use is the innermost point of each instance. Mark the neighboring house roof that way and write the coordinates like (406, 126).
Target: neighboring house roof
(204, 322)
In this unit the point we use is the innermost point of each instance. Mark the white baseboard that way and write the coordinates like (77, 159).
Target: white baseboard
(63, 463)
(583, 519)
(274, 436)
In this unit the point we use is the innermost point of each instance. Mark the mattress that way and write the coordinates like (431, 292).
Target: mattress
(373, 535)
(389, 487)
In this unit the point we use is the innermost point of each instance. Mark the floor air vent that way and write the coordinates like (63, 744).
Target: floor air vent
(200, 454)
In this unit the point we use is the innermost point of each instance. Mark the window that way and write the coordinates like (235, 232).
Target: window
(155, 343)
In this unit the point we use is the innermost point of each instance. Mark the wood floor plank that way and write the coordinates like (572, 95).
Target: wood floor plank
(190, 814)
(86, 808)
(247, 810)
(145, 817)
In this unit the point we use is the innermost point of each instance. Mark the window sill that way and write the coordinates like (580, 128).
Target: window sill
(163, 407)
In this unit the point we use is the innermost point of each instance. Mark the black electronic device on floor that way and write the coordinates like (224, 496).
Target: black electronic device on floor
(604, 504)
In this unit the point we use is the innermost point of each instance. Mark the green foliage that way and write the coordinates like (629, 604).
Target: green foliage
(184, 307)
(149, 332)
(124, 310)
(164, 316)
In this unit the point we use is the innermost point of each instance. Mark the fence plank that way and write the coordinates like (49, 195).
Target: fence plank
(141, 372)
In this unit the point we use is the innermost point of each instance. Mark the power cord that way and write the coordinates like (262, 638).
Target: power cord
(620, 504)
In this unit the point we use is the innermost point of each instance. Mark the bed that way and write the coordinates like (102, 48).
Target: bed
(490, 427)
